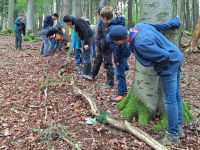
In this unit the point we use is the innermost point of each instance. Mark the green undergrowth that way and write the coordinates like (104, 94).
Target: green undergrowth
(9, 32)
(30, 39)
(132, 107)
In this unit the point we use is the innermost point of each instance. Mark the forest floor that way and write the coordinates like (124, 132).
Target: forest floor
(23, 72)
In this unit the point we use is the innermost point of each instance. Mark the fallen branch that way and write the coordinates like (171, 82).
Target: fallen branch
(194, 109)
(123, 125)
(70, 143)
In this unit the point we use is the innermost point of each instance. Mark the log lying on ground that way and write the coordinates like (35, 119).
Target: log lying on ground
(123, 125)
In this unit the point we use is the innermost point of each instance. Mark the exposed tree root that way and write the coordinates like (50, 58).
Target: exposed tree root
(123, 125)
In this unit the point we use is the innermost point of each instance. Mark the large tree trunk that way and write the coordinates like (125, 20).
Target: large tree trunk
(29, 24)
(58, 6)
(74, 8)
(130, 24)
(146, 85)
(195, 12)
(40, 22)
(188, 23)
(52, 6)
(11, 15)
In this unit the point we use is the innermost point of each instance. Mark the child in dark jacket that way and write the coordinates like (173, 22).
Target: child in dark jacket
(58, 37)
(120, 52)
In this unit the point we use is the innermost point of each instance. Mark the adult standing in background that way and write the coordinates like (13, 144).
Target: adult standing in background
(121, 18)
(48, 23)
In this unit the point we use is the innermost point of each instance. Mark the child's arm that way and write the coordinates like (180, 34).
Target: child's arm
(17, 21)
(74, 39)
(174, 23)
(116, 51)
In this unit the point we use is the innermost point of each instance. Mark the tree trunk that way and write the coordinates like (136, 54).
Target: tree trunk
(183, 16)
(137, 5)
(11, 15)
(66, 11)
(80, 9)
(146, 87)
(29, 24)
(195, 12)
(130, 25)
(92, 12)
(58, 6)
(1, 25)
(106, 3)
(98, 3)
(88, 9)
(52, 6)
(188, 24)
(40, 22)
(74, 8)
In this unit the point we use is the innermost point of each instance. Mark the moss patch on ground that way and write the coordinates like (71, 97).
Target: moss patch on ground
(9, 32)
(132, 107)
(30, 39)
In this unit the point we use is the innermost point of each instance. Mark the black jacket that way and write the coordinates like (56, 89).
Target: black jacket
(22, 27)
(101, 42)
(83, 29)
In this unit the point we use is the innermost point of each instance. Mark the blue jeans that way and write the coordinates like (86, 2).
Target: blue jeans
(47, 45)
(120, 75)
(58, 44)
(77, 56)
(52, 43)
(172, 100)
(18, 39)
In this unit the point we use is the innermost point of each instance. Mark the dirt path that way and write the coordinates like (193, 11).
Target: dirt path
(23, 73)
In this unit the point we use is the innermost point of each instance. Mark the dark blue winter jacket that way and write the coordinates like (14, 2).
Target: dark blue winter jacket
(122, 19)
(151, 48)
(120, 51)
(48, 22)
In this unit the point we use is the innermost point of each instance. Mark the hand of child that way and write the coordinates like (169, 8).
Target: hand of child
(81, 49)
(73, 49)
(86, 47)
(116, 63)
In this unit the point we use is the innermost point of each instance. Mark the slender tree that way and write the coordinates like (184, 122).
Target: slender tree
(188, 23)
(29, 24)
(74, 8)
(130, 24)
(80, 8)
(11, 15)
(195, 12)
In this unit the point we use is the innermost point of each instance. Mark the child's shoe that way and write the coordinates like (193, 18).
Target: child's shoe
(170, 139)
(118, 98)
(107, 86)
(180, 133)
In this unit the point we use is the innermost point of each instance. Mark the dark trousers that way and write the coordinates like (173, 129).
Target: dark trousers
(105, 57)
(58, 44)
(18, 39)
(86, 56)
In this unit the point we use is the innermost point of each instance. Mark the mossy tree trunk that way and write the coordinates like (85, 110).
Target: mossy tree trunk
(146, 98)
(11, 15)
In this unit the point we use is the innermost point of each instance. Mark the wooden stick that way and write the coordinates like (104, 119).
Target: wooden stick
(123, 125)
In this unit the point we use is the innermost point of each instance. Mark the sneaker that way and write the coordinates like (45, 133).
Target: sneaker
(180, 133)
(88, 77)
(80, 76)
(170, 139)
(107, 86)
(20, 49)
(118, 98)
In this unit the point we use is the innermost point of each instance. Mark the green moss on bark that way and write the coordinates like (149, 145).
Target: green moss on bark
(132, 107)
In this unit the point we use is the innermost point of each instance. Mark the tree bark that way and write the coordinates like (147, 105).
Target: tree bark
(88, 9)
(136, 11)
(58, 6)
(98, 3)
(195, 12)
(92, 12)
(11, 15)
(74, 8)
(130, 25)
(40, 22)
(188, 23)
(80, 8)
(29, 24)
(146, 86)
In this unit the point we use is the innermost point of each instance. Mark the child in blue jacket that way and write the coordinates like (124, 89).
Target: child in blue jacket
(151, 48)
(121, 53)
(77, 51)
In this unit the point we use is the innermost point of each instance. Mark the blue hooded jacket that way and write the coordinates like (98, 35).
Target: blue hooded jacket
(120, 51)
(151, 48)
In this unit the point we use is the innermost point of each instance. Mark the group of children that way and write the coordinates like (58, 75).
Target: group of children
(149, 46)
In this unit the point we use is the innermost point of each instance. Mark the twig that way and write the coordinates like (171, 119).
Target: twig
(45, 94)
(70, 143)
(123, 125)
(194, 109)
